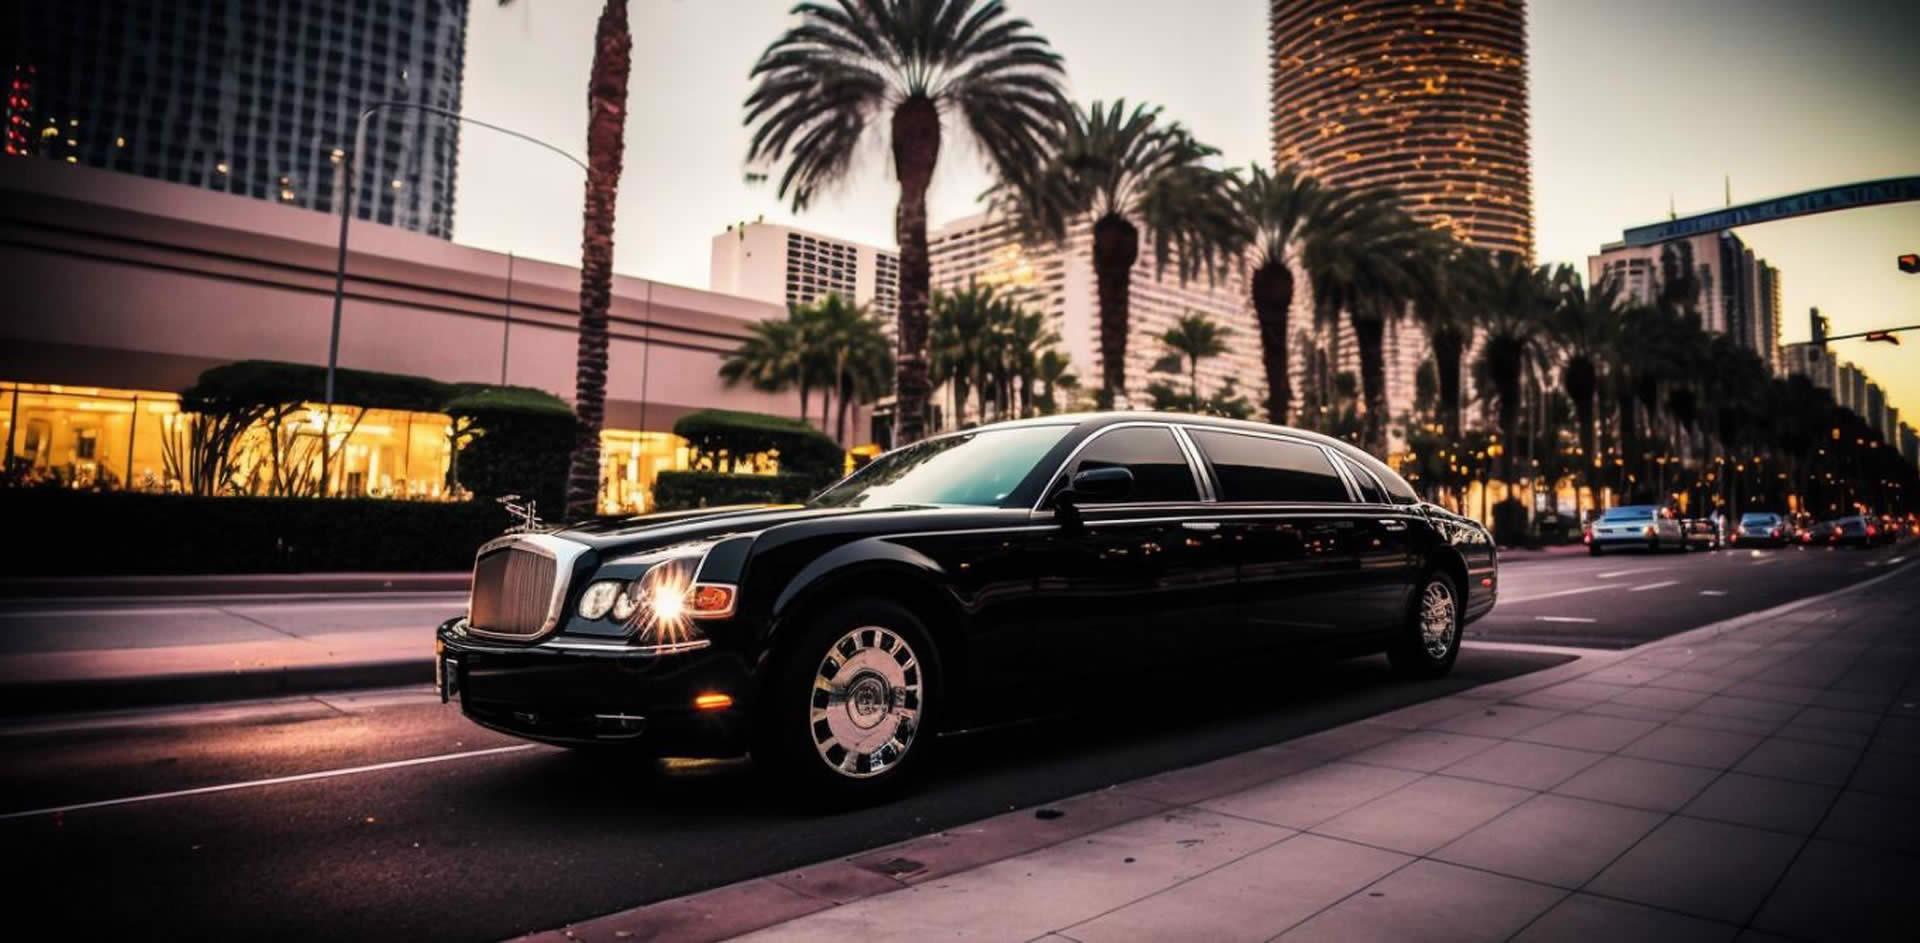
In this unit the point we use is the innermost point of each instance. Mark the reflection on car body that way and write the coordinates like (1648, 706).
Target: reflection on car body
(953, 579)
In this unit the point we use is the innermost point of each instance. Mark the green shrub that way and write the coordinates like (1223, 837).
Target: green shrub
(680, 490)
(520, 442)
(718, 436)
(80, 533)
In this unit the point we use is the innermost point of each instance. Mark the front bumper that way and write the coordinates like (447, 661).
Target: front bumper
(1622, 540)
(573, 696)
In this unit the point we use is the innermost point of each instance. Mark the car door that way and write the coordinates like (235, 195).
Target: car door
(1131, 579)
(1287, 513)
(1382, 544)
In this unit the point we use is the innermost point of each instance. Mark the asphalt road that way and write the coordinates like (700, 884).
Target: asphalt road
(461, 834)
(486, 846)
(1625, 598)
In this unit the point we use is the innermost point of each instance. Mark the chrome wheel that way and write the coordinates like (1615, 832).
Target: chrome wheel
(1437, 622)
(866, 708)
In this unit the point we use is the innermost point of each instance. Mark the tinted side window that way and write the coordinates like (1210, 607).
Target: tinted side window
(1369, 489)
(1251, 468)
(1160, 470)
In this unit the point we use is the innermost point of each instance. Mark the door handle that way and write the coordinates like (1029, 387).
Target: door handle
(1394, 525)
(1200, 525)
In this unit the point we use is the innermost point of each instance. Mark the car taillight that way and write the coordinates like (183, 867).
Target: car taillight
(1776, 532)
(1649, 530)
(1870, 530)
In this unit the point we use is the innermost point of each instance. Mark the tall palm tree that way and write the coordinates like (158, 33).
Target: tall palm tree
(1586, 324)
(1281, 210)
(867, 371)
(778, 355)
(961, 322)
(1366, 270)
(1194, 338)
(1519, 303)
(848, 66)
(1125, 174)
(606, 147)
(1445, 305)
(1055, 373)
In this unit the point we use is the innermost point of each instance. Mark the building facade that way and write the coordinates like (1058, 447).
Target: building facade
(1059, 281)
(1739, 292)
(257, 98)
(1427, 98)
(124, 290)
(788, 266)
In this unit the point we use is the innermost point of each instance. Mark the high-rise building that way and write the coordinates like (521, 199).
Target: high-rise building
(1427, 98)
(784, 265)
(1909, 444)
(1059, 281)
(254, 97)
(1739, 292)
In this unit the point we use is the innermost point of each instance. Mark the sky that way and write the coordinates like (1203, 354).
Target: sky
(1636, 105)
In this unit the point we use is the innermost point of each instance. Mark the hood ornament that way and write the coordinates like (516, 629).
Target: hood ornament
(526, 516)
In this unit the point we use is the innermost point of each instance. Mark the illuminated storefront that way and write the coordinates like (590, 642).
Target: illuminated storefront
(108, 439)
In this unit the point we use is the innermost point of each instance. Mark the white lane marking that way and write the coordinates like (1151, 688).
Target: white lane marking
(1608, 576)
(275, 781)
(1582, 619)
(1713, 592)
(95, 613)
(1662, 583)
(1767, 560)
(1873, 563)
(1558, 592)
(1897, 560)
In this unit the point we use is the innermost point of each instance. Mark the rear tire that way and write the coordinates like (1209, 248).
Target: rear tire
(845, 718)
(1429, 643)
(1593, 550)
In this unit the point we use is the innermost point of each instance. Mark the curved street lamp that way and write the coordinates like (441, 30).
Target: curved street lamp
(346, 219)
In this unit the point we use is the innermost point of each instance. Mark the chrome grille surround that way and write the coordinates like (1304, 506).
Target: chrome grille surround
(519, 586)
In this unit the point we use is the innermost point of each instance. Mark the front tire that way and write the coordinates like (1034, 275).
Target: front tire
(845, 717)
(1430, 642)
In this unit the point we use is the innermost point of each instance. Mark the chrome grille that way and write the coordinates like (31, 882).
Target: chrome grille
(513, 592)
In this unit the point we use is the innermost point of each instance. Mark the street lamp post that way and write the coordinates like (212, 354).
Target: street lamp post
(347, 174)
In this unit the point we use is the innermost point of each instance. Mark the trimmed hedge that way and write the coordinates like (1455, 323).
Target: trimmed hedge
(82, 533)
(522, 442)
(681, 490)
(717, 435)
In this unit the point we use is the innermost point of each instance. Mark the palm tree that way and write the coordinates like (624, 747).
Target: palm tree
(848, 66)
(1281, 210)
(1193, 338)
(960, 325)
(867, 373)
(1444, 274)
(1055, 373)
(1366, 269)
(1586, 324)
(1126, 173)
(1519, 303)
(606, 146)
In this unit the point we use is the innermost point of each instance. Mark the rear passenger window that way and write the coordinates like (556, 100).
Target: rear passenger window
(1160, 469)
(1253, 468)
(1369, 489)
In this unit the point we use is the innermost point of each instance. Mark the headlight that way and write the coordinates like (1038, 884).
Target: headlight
(600, 597)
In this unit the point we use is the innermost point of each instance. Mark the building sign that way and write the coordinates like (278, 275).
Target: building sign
(1850, 196)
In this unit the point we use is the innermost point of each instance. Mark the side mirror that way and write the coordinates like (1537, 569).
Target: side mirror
(1098, 485)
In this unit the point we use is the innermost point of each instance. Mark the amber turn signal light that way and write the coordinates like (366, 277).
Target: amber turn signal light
(712, 702)
(710, 601)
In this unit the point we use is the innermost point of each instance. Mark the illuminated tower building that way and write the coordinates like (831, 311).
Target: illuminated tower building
(250, 97)
(1429, 98)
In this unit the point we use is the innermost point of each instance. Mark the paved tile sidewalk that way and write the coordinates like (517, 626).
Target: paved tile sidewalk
(1757, 780)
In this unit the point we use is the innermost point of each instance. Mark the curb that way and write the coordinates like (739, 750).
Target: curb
(232, 584)
(755, 904)
(94, 694)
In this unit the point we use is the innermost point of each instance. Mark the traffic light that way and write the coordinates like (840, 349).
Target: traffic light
(1885, 336)
(1818, 345)
(1910, 263)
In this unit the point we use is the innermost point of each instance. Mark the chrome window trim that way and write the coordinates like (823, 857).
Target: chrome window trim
(562, 552)
(1353, 494)
(1202, 476)
(1058, 473)
(1355, 469)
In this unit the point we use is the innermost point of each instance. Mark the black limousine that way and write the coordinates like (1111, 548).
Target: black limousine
(832, 639)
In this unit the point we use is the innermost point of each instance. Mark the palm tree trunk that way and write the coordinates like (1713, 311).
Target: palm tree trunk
(1116, 246)
(1369, 334)
(916, 148)
(1272, 299)
(606, 129)
(1448, 345)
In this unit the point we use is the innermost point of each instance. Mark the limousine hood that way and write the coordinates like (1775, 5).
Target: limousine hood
(673, 527)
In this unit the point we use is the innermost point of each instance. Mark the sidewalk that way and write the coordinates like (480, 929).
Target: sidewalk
(224, 584)
(1758, 779)
(96, 654)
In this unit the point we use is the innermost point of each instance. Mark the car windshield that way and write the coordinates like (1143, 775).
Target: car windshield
(973, 468)
(1628, 514)
(1756, 519)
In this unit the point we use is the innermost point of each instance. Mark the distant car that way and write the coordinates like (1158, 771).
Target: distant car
(1853, 531)
(1760, 529)
(1700, 534)
(1644, 526)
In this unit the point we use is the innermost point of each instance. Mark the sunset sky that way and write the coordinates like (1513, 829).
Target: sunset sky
(1635, 104)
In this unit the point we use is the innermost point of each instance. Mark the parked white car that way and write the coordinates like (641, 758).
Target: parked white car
(1635, 525)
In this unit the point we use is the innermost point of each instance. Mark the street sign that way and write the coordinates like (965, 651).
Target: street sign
(1850, 196)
